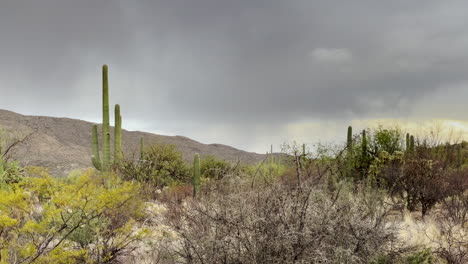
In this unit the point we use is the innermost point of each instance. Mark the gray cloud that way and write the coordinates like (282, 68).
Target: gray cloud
(189, 66)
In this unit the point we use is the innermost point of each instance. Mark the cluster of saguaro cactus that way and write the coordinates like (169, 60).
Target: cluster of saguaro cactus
(196, 174)
(105, 162)
(409, 143)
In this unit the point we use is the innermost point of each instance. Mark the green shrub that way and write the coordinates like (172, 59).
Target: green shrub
(214, 168)
(163, 166)
(421, 257)
(10, 172)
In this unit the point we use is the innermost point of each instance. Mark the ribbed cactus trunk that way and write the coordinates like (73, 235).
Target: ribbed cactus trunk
(196, 175)
(411, 147)
(118, 155)
(349, 157)
(105, 121)
(96, 159)
(364, 143)
(349, 141)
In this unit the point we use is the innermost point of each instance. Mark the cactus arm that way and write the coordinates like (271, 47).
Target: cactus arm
(118, 136)
(95, 149)
(196, 174)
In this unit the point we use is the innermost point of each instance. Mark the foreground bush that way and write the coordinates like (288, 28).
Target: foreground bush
(85, 219)
(282, 225)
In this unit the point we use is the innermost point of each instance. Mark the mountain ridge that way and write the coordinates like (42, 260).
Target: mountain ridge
(63, 144)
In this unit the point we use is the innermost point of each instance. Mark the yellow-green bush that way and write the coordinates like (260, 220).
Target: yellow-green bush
(86, 219)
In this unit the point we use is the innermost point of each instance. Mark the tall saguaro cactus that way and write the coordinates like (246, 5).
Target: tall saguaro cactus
(196, 174)
(105, 163)
(105, 120)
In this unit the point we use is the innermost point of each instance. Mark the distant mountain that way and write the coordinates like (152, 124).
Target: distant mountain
(64, 144)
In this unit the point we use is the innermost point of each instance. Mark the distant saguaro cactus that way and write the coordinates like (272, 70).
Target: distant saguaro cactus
(364, 143)
(349, 141)
(350, 155)
(407, 142)
(411, 146)
(105, 163)
(196, 174)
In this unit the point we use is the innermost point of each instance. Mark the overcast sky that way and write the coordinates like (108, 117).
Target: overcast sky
(246, 73)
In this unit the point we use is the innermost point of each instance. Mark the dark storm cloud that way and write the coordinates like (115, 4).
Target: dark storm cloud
(260, 60)
(238, 63)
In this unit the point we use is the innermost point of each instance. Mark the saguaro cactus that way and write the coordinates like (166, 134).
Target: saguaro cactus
(349, 157)
(364, 143)
(104, 163)
(411, 147)
(196, 174)
(407, 142)
(105, 120)
(118, 155)
(349, 141)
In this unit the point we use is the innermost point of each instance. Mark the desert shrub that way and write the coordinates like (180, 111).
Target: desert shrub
(421, 257)
(87, 219)
(10, 172)
(450, 242)
(162, 166)
(175, 194)
(214, 168)
(275, 224)
(389, 140)
(421, 178)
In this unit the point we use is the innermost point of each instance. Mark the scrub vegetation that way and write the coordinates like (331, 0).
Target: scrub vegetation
(381, 196)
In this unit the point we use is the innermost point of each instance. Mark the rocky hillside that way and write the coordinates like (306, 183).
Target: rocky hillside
(64, 144)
